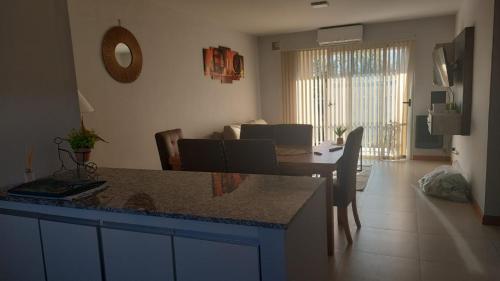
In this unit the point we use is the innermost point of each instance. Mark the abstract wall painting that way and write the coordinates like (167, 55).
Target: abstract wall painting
(223, 64)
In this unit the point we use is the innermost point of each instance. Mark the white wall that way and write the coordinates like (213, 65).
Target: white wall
(38, 100)
(171, 91)
(426, 33)
(473, 149)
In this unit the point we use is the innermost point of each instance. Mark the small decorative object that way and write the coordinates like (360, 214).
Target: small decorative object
(121, 54)
(82, 142)
(223, 64)
(84, 170)
(29, 175)
(339, 132)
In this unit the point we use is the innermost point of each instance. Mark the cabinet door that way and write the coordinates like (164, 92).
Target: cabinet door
(215, 261)
(21, 256)
(132, 256)
(71, 251)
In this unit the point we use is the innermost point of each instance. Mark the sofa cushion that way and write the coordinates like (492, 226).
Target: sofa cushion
(232, 132)
(257, 121)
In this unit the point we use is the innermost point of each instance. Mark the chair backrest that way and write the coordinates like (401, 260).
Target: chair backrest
(203, 155)
(345, 191)
(249, 156)
(293, 134)
(168, 148)
(257, 131)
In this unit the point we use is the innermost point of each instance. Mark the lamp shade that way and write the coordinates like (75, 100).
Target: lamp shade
(85, 106)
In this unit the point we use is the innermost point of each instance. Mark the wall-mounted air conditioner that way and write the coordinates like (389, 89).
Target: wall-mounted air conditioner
(340, 34)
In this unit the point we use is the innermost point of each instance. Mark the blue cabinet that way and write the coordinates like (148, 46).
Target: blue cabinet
(21, 258)
(132, 256)
(215, 261)
(71, 251)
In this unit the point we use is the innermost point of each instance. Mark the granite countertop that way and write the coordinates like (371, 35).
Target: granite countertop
(256, 200)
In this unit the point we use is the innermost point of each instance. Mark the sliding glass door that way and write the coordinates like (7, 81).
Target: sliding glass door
(351, 85)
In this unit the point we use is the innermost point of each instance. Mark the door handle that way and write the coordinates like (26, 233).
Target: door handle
(408, 102)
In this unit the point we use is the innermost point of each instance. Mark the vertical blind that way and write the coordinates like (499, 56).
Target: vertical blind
(351, 85)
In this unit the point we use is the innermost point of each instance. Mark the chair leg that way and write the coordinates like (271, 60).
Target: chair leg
(355, 212)
(345, 224)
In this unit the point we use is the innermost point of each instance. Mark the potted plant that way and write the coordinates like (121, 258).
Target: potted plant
(339, 132)
(451, 106)
(82, 142)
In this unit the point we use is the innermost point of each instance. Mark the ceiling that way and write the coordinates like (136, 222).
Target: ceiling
(261, 17)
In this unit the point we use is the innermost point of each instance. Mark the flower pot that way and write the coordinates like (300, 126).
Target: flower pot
(82, 155)
(340, 141)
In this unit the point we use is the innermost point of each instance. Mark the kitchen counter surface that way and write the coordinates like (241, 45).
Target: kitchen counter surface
(255, 200)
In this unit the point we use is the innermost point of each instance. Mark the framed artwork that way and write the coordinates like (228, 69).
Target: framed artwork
(223, 64)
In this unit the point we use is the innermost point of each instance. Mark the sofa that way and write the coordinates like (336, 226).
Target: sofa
(232, 131)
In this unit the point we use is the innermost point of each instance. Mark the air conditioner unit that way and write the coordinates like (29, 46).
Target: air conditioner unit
(340, 35)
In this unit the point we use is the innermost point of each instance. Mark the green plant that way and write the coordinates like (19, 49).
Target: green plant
(340, 130)
(451, 106)
(83, 138)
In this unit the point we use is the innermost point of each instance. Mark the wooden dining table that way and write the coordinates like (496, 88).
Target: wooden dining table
(302, 161)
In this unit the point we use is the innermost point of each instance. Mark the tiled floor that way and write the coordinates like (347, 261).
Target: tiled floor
(408, 236)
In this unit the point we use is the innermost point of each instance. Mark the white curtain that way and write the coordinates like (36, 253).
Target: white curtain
(351, 85)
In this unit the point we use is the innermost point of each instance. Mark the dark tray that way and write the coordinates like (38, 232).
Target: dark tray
(52, 188)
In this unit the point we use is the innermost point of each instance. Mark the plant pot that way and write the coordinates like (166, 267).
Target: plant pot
(340, 141)
(82, 155)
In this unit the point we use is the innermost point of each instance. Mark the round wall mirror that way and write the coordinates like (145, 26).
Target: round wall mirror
(123, 55)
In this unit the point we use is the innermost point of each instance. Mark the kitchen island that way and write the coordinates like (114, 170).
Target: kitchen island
(168, 225)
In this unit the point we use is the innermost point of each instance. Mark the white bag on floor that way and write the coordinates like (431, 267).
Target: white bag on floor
(447, 183)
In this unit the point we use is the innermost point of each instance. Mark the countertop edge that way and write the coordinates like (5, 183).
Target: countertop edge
(72, 205)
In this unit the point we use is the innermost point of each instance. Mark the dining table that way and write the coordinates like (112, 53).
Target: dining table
(319, 160)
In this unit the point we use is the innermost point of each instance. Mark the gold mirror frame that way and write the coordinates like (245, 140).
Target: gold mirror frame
(111, 39)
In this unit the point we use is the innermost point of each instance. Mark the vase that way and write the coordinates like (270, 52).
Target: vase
(340, 141)
(29, 176)
(82, 155)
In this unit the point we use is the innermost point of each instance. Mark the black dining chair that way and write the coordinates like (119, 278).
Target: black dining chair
(257, 131)
(344, 190)
(251, 156)
(202, 155)
(294, 134)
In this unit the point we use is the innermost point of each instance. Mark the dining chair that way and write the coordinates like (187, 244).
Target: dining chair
(257, 131)
(294, 134)
(168, 149)
(344, 190)
(202, 155)
(249, 156)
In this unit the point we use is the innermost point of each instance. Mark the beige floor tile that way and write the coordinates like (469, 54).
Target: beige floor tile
(379, 241)
(436, 216)
(458, 250)
(403, 191)
(456, 226)
(438, 271)
(401, 221)
(383, 203)
(430, 206)
(342, 277)
(358, 265)
(406, 235)
(496, 243)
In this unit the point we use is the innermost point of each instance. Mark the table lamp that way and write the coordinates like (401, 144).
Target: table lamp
(85, 107)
